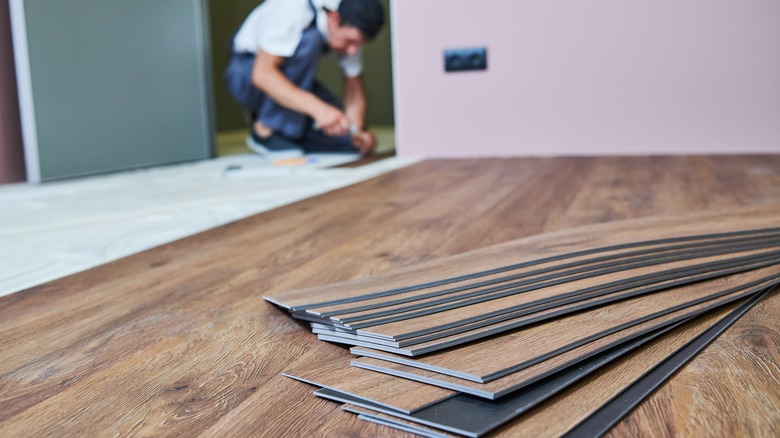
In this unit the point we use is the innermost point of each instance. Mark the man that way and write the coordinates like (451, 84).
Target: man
(271, 74)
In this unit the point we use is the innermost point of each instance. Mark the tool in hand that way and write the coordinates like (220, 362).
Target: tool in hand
(353, 128)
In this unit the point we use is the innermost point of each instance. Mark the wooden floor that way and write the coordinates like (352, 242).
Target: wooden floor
(177, 340)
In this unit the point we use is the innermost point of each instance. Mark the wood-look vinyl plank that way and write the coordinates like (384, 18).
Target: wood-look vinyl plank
(399, 394)
(468, 412)
(475, 417)
(447, 316)
(489, 359)
(521, 380)
(349, 314)
(496, 325)
(549, 247)
(518, 318)
(482, 328)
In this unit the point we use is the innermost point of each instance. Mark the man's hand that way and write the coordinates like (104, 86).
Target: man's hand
(365, 141)
(331, 120)
(268, 77)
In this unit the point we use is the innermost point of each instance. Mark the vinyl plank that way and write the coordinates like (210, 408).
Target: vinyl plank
(350, 313)
(521, 380)
(449, 316)
(475, 417)
(490, 359)
(544, 248)
(478, 329)
(398, 394)
(464, 413)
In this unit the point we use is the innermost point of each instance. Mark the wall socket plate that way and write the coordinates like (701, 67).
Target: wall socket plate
(474, 58)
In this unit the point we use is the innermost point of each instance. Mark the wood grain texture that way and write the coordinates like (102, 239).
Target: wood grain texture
(752, 344)
(176, 341)
(475, 330)
(395, 422)
(623, 280)
(656, 351)
(401, 394)
(573, 405)
(517, 380)
(497, 356)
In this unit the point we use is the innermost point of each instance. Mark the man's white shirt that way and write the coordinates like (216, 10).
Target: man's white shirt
(276, 27)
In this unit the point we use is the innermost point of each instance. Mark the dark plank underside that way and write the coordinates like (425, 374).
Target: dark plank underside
(178, 341)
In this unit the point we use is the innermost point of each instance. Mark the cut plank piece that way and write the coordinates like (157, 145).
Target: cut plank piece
(501, 355)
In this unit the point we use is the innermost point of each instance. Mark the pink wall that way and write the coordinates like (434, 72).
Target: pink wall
(11, 151)
(588, 77)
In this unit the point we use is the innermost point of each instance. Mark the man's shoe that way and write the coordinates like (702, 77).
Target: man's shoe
(274, 147)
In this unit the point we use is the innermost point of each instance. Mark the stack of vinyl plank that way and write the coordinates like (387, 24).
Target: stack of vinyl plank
(555, 334)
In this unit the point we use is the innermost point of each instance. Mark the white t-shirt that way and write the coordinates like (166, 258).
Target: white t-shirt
(276, 27)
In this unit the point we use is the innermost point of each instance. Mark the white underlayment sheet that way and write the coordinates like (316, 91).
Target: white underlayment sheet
(51, 230)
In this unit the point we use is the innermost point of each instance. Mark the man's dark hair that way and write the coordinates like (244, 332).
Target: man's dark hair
(367, 16)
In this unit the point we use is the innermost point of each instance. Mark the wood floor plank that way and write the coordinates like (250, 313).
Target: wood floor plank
(489, 359)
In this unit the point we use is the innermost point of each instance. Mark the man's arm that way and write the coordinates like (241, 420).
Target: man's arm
(355, 101)
(355, 106)
(268, 77)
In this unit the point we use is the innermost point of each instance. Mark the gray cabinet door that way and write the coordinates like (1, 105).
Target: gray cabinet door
(107, 85)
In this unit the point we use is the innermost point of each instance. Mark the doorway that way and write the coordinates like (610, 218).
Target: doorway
(231, 122)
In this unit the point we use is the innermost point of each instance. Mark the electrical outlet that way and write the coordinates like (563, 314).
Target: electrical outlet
(465, 59)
